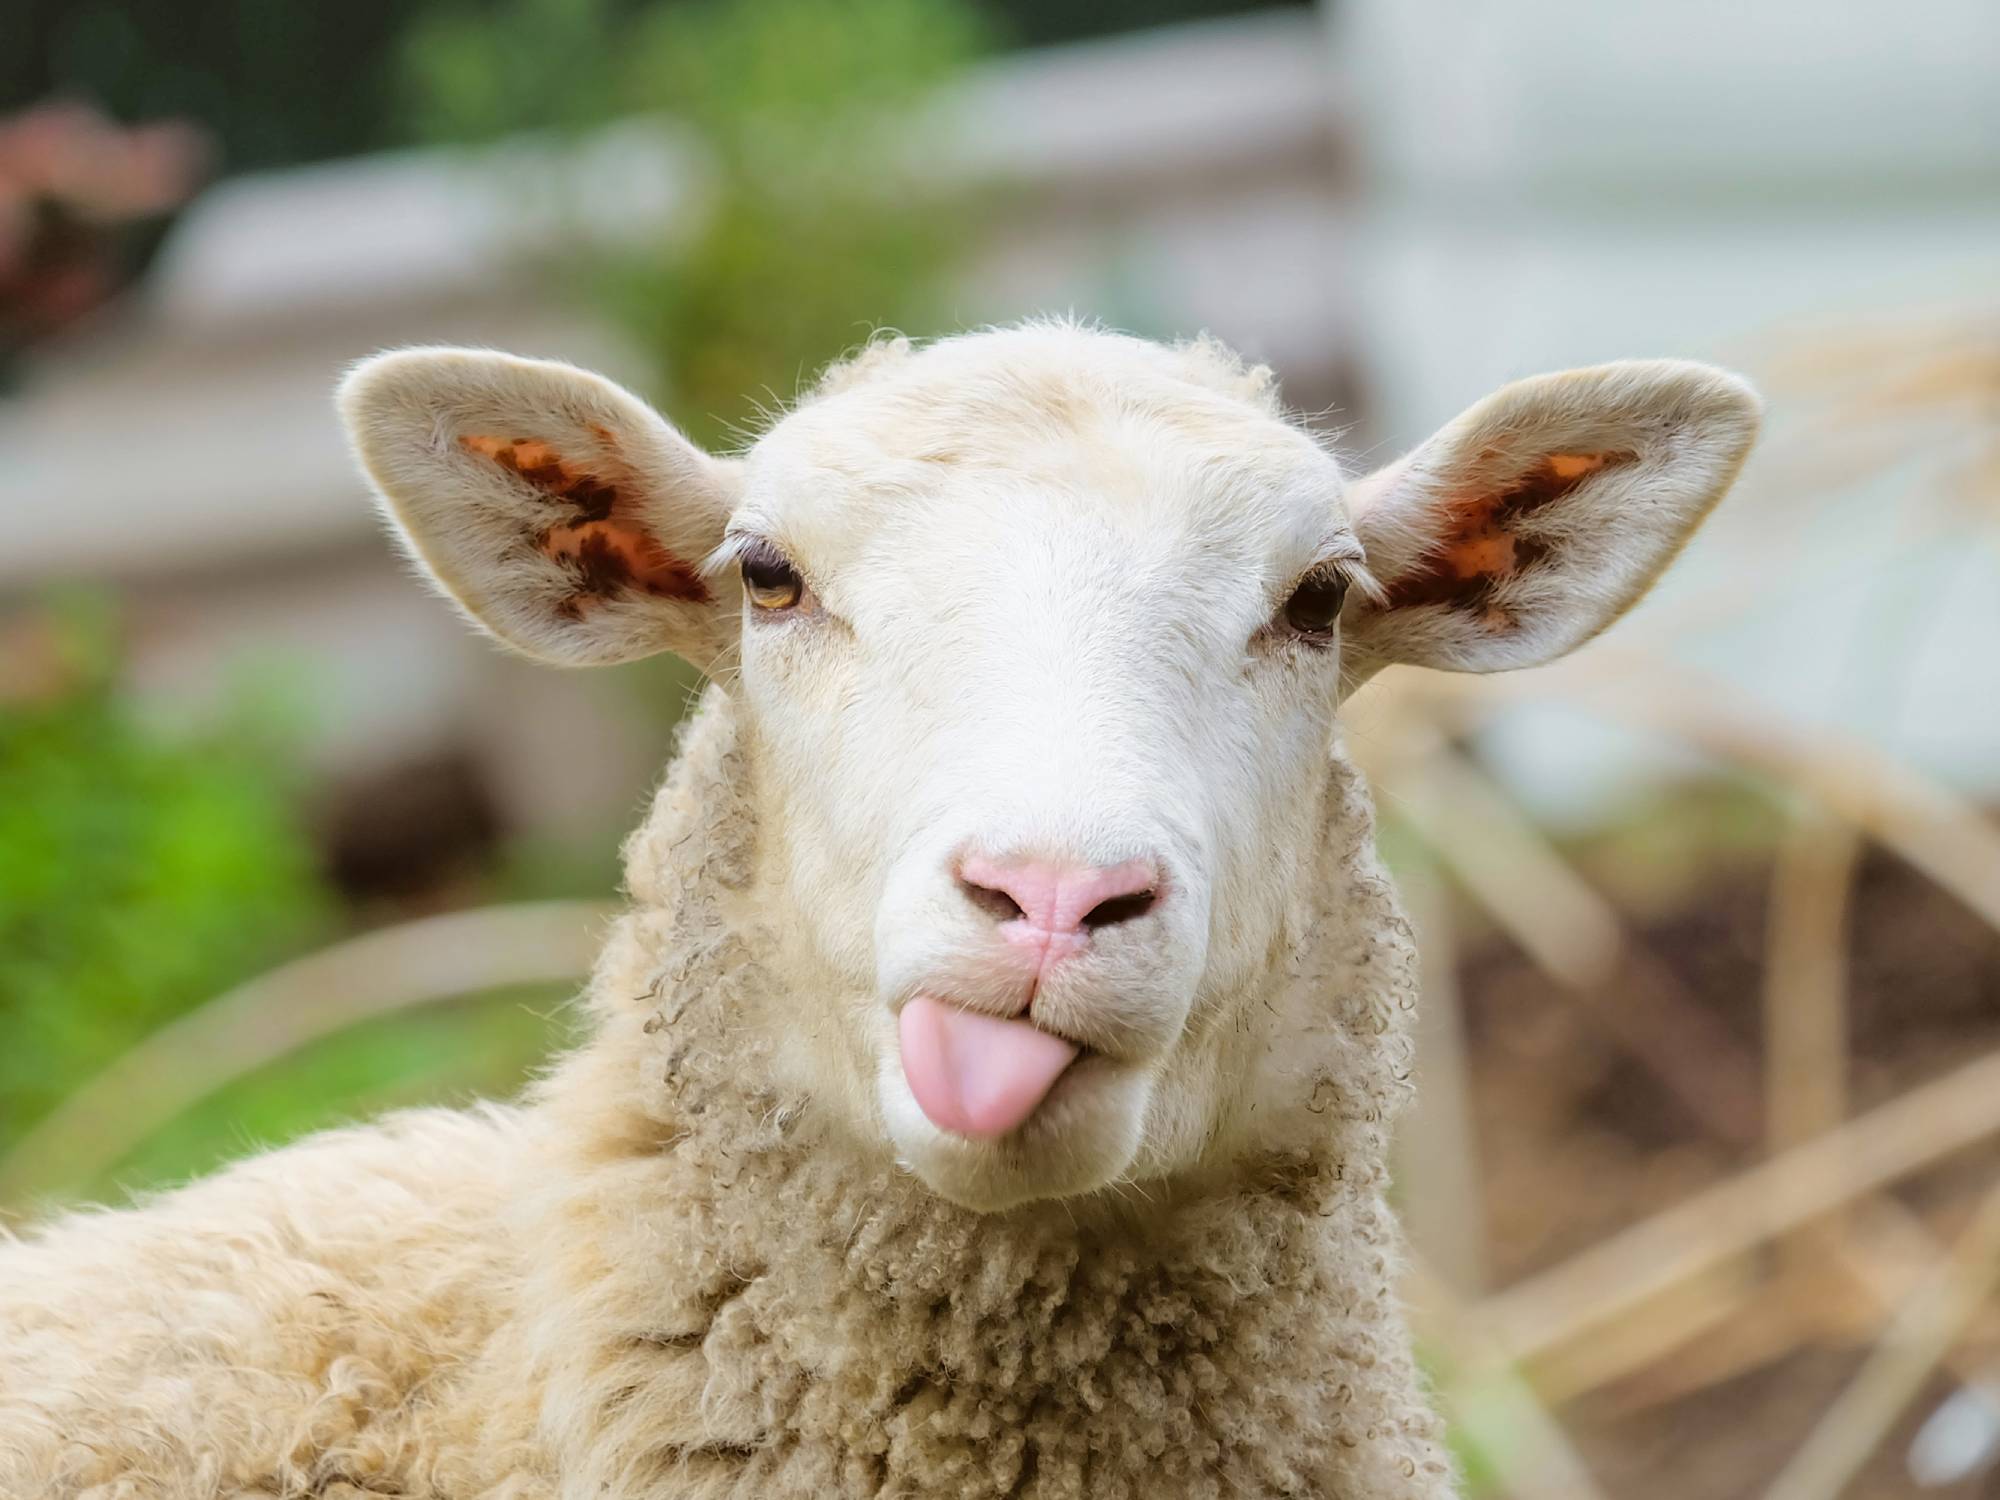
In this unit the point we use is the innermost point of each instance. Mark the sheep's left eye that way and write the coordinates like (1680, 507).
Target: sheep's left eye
(771, 581)
(1314, 607)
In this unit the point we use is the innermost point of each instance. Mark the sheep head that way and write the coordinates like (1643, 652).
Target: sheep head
(1039, 637)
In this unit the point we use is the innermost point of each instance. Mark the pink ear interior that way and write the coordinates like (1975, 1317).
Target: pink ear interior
(600, 539)
(1480, 546)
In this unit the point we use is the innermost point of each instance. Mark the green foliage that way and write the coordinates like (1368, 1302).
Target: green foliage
(781, 80)
(478, 74)
(815, 223)
(140, 874)
(780, 71)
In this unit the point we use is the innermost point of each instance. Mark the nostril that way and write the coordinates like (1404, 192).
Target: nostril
(1059, 897)
(996, 903)
(1120, 909)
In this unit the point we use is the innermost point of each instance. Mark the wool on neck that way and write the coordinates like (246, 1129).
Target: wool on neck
(722, 1296)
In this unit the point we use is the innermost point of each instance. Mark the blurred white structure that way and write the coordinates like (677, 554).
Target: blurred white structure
(1557, 182)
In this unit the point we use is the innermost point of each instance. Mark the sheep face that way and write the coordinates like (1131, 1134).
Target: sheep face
(1041, 636)
(1041, 661)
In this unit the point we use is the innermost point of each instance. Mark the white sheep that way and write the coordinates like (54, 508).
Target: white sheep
(990, 1082)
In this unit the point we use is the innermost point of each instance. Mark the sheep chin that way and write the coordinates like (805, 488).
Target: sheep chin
(1083, 1137)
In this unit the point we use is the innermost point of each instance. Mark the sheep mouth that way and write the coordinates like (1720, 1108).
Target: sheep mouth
(977, 1075)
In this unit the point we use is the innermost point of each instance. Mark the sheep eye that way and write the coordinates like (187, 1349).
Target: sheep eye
(1314, 607)
(770, 581)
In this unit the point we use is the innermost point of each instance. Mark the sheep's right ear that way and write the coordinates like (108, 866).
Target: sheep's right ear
(559, 511)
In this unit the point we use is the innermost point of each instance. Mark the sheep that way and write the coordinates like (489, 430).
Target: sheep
(987, 1090)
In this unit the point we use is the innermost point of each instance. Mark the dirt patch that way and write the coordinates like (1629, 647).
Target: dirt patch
(1579, 1140)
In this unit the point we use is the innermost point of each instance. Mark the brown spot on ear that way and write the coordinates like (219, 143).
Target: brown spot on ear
(606, 552)
(611, 557)
(1481, 549)
(543, 467)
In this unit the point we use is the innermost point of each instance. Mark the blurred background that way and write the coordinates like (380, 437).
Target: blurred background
(1705, 1180)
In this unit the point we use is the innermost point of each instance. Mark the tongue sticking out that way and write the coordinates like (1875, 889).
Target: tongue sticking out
(977, 1075)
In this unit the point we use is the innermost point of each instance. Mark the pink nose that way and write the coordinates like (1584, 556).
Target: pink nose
(1056, 906)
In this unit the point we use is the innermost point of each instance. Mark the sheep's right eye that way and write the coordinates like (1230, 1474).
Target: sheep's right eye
(769, 580)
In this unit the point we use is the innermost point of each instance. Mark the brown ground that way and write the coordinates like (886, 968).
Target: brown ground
(1578, 1139)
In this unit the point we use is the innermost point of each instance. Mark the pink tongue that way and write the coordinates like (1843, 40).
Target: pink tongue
(977, 1075)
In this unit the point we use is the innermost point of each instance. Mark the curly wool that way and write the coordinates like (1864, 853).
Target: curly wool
(664, 1277)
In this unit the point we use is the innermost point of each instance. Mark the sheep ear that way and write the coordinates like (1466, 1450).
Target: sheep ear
(1542, 514)
(558, 510)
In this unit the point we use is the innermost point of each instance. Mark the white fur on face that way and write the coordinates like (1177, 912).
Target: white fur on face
(1043, 627)
(1046, 570)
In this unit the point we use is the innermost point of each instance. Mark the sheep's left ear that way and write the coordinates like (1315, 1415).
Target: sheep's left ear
(559, 511)
(1542, 514)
